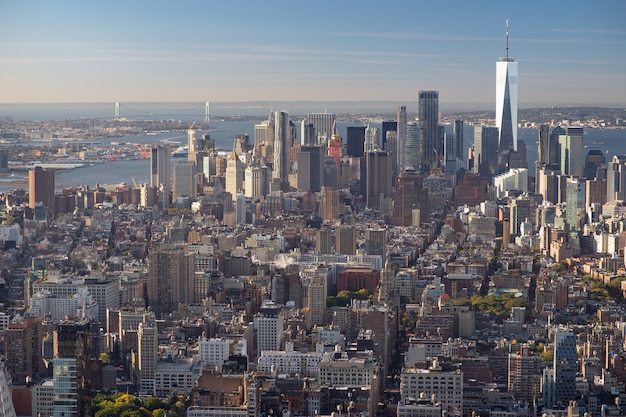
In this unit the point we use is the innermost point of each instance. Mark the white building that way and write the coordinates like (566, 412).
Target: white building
(42, 398)
(174, 378)
(290, 362)
(513, 179)
(445, 387)
(6, 401)
(213, 352)
(269, 327)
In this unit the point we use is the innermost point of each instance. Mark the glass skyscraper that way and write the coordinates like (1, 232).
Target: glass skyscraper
(506, 100)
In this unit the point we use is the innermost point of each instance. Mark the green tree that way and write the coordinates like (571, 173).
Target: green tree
(154, 403)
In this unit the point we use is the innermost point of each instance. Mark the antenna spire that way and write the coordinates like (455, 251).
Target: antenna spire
(507, 39)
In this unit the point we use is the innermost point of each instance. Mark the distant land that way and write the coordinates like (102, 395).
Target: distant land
(346, 110)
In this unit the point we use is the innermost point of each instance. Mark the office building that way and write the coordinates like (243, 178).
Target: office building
(234, 175)
(547, 152)
(264, 133)
(376, 243)
(160, 172)
(307, 133)
(310, 168)
(428, 115)
(184, 180)
(355, 141)
(410, 195)
(574, 203)
(22, 349)
(513, 179)
(324, 241)
(506, 101)
(458, 138)
(372, 139)
(41, 188)
(616, 179)
(282, 148)
(445, 387)
(401, 139)
(571, 150)
(323, 127)
(412, 153)
(485, 151)
(386, 128)
(256, 179)
(595, 165)
(192, 144)
(378, 178)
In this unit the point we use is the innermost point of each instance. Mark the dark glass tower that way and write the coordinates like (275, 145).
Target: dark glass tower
(428, 113)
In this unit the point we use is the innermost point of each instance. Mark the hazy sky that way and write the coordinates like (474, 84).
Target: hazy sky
(569, 52)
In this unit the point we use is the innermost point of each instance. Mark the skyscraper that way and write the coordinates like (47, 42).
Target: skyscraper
(378, 174)
(192, 144)
(184, 179)
(355, 140)
(269, 327)
(458, 137)
(616, 179)
(170, 278)
(323, 127)
(160, 171)
(409, 195)
(147, 354)
(372, 139)
(506, 101)
(234, 175)
(41, 188)
(401, 146)
(485, 151)
(571, 150)
(310, 163)
(560, 381)
(387, 126)
(282, 146)
(412, 151)
(428, 114)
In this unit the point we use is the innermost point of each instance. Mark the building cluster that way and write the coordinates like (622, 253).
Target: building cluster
(301, 275)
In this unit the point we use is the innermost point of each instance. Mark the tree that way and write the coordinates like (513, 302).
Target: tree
(154, 403)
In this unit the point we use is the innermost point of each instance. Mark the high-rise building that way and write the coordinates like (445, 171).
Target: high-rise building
(22, 349)
(546, 152)
(234, 175)
(262, 133)
(559, 385)
(355, 141)
(412, 152)
(147, 354)
(378, 174)
(458, 138)
(524, 374)
(376, 242)
(307, 133)
(323, 127)
(41, 188)
(345, 240)
(616, 179)
(170, 278)
(372, 139)
(595, 165)
(269, 327)
(192, 144)
(409, 196)
(428, 114)
(485, 151)
(401, 140)
(71, 373)
(506, 101)
(282, 147)
(6, 400)
(184, 180)
(574, 202)
(310, 168)
(387, 126)
(571, 150)
(256, 179)
(160, 171)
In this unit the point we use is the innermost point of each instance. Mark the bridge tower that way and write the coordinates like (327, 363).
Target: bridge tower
(117, 111)
(206, 112)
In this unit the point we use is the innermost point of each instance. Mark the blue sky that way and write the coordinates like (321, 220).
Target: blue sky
(569, 53)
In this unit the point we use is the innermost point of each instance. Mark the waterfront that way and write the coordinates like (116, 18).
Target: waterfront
(610, 141)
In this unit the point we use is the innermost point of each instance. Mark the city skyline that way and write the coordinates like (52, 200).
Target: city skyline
(192, 51)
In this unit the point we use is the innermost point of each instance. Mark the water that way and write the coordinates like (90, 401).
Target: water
(124, 171)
